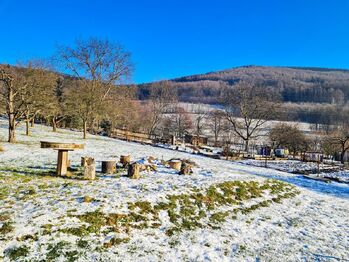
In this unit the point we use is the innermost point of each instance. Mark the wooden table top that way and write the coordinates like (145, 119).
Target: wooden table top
(61, 146)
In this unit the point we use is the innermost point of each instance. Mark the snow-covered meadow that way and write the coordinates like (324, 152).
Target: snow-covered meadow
(224, 211)
(325, 170)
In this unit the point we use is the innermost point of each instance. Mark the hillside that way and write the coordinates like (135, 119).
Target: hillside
(298, 85)
(309, 94)
(223, 211)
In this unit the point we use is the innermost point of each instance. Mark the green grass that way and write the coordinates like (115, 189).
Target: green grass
(18, 252)
(60, 250)
(197, 208)
(6, 228)
(186, 211)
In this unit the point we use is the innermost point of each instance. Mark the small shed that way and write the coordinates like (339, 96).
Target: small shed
(281, 152)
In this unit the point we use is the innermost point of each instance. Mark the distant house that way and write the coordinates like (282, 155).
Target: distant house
(264, 151)
(281, 152)
(313, 156)
(195, 140)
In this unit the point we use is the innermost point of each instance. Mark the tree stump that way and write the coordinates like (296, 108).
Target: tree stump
(90, 169)
(109, 167)
(125, 160)
(175, 164)
(186, 169)
(134, 171)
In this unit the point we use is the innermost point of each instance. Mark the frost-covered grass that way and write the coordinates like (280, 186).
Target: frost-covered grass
(221, 212)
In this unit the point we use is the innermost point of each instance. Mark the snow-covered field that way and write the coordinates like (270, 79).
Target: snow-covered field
(163, 216)
(296, 166)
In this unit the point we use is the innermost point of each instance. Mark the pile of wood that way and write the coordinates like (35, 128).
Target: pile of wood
(135, 168)
(184, 166)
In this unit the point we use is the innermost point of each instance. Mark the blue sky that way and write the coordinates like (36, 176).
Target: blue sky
(168, 38)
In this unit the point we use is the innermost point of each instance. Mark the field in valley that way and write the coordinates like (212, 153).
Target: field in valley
(223, 211)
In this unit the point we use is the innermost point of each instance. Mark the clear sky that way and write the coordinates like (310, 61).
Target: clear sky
(169, 38)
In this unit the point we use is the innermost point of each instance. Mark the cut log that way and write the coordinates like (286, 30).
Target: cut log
(175, 164)
(148, 167)
(186, 169)
(151, 159)
(125, 160)
(109, 167)
(90, 169)
(134, 171)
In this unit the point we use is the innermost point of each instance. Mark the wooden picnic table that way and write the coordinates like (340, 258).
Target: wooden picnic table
(63, 149)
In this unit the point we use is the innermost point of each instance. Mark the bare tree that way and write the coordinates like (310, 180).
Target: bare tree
(55, 107)
(200, 121)
(100, 65)
(290, 137)
(162, 97)
(248, 107)
(13, 86)
(181, 122)
(216, 124)
(339, 140)
(39, 93)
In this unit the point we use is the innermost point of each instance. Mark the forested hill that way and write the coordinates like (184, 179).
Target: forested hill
(294, 84)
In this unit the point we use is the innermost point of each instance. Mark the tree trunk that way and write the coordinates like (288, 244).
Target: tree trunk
(32, 122)
(342, 156)
(85, 129)
(27, 131)
(246, 145)
(54, 124)
(215, 139)
(12, 130)
(11, 117)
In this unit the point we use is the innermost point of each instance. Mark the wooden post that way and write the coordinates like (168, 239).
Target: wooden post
(62, 164)
(108, 167)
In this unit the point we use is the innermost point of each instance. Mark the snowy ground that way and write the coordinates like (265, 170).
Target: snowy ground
(38, 212)
(296, 166)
